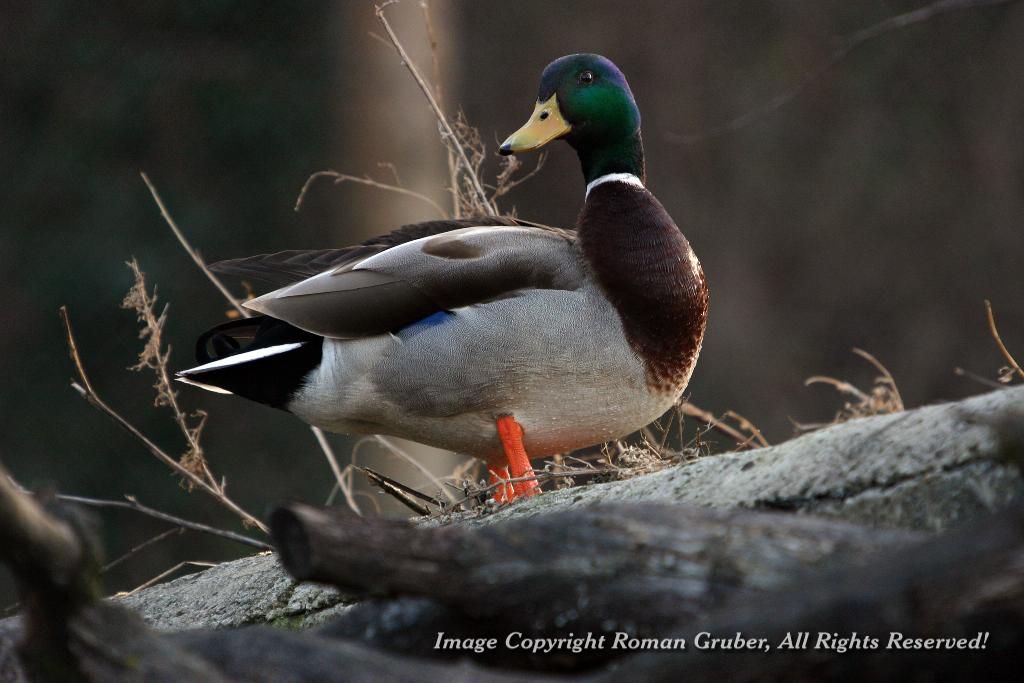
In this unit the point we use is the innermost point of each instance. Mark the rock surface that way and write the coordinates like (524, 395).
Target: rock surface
(252, 590)
(927, 469)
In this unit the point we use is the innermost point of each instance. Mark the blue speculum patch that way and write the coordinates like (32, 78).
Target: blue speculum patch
(432, 320)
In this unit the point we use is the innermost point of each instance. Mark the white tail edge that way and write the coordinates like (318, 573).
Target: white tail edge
(239, 358)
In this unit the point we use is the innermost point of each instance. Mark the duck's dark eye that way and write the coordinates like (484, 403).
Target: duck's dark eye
(587, 77)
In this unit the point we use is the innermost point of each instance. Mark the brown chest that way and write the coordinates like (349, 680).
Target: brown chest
(646, 268)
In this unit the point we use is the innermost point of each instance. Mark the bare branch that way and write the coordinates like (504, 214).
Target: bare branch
(244, 312)
(506, 183)
(442, 120)
(164, 574)
(847, 45)
(403, 494)
(392, 447)
(690, 409)
(130, 503)
(87, 392)
(136, 549)
(190, 250)
(340, 178)
(999, 342)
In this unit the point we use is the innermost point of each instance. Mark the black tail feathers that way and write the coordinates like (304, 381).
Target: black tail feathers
(273, 359)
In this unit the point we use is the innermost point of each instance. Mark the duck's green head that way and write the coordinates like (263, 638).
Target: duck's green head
(585, 99)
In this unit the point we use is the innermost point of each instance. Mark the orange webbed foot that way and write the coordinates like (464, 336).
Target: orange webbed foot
(504, 492)
(511, 434)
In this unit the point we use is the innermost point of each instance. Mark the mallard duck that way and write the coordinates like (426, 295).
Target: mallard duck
(495, 337)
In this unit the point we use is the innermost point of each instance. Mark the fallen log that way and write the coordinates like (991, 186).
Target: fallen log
(873, 622)
(930, 468)
(640, 568)
(264, 654)
(951, 586)
(69, 634)
(966, 586)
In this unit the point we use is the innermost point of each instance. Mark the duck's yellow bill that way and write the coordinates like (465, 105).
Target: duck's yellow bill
(545, 124)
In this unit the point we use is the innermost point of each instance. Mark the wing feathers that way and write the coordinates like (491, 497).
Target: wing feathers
(286, 267)
(357, 304)
(388, 283)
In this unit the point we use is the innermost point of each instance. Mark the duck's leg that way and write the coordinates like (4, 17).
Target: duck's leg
(502, 492)
(511, 434)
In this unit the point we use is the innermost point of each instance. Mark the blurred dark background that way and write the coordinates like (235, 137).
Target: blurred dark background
(877, 209)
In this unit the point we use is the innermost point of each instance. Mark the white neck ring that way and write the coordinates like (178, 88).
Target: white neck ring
(627, 178)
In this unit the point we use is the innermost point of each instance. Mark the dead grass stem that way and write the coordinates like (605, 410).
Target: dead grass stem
(166, 573)
(130, 503)
(448, 136)
(340, 178)
(85, 389)
(318, 433)
(743, 440)
(154, 356)
(883, 397)
(1006, 373)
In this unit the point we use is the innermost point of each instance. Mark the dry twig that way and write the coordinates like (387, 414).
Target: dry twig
(884, 397)
(405, 495)
(961, 372)
(453, 167)
(130, 503)
(85, 389)
(630, 461)
(506, 182)
(1006, 375)
(643, 465)
(340, 178)
(190, 250)
(447, 134)
(749, 427)
(318, 433)
(164, 574)
(394, 448)
(154, 357)
(742, 440)
(136, 549)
